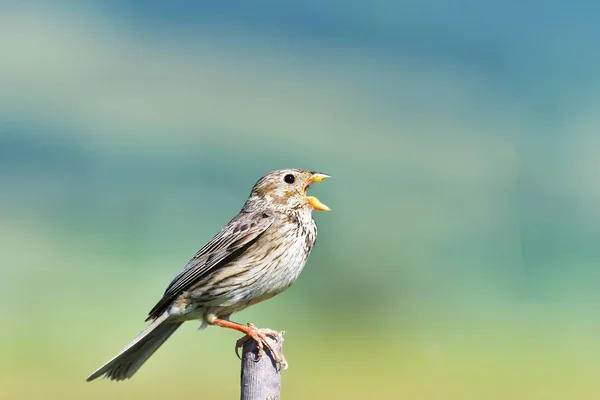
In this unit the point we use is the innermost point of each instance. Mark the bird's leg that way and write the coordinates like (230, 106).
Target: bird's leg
(260, 336)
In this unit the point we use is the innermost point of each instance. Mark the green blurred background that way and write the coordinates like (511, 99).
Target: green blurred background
(460, 260)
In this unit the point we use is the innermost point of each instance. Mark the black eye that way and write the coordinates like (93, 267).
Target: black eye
(289, 178)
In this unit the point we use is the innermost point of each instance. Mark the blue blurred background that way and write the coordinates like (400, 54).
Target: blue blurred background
(460, 260)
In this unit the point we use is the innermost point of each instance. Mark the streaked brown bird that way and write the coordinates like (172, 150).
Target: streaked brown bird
(256, 256)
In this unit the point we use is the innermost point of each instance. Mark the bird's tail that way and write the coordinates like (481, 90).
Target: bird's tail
(132, 357)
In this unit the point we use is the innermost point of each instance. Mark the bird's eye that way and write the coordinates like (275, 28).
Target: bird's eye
(289, 178)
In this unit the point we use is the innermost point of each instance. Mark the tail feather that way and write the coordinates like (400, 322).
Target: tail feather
(135, 354)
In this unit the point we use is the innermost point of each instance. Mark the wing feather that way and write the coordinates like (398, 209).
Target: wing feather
(240, 232)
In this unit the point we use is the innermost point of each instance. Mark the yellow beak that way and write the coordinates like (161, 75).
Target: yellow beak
(312, 200)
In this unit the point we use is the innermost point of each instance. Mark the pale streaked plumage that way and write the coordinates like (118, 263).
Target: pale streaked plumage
(256, 256)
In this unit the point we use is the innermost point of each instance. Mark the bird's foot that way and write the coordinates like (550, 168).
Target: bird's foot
(263, 338)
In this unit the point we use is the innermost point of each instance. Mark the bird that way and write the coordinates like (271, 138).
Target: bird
(257, 255)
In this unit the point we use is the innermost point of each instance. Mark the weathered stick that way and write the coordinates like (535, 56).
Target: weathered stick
(261, 379)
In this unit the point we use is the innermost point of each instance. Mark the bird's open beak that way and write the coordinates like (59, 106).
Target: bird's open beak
(312, 200)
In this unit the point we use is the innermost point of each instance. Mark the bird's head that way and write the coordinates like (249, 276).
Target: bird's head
(285, 189)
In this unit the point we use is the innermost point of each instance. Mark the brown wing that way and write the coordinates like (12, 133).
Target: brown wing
(237, 235)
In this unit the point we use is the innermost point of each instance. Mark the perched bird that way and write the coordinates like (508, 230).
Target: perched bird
(256, 256)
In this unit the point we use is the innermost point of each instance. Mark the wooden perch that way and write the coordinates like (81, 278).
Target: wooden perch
(261, 379)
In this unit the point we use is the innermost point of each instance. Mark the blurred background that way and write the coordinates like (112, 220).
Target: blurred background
(460, 260)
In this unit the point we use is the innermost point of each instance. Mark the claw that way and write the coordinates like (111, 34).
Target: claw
(263, 338)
